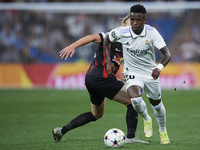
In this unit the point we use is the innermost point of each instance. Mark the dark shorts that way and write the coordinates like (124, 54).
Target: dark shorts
(99, 88)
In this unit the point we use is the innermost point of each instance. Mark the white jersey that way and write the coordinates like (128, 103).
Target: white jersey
(138, 50)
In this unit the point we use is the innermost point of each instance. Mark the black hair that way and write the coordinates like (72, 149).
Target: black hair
(138, 9)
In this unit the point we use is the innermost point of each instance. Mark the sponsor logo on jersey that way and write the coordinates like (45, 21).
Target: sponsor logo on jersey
(137, 53)
(118, 60)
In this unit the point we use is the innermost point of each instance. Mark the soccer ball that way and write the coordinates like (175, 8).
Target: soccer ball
(114, 138)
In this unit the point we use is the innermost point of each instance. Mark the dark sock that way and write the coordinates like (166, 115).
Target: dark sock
(78, 121)
(131, 121)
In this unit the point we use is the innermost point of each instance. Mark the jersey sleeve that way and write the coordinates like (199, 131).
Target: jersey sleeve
(114, 35)
(102, 36)
(158, 40)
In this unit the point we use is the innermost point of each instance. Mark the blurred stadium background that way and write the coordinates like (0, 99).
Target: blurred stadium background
(32, 32)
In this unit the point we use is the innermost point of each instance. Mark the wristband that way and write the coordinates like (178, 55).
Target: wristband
(160, 66)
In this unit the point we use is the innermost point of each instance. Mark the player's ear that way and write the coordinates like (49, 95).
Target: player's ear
(145, 19)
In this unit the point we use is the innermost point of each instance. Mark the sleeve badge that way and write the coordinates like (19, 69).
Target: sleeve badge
(113, 34)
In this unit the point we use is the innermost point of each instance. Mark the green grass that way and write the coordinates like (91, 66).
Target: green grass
(27, 117)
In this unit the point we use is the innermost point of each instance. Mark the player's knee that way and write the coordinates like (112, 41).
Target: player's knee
(136, 100)
(158, 106)
(159, 110)
(97, 115)
(154, 102)
(123, 99)
(126, 101)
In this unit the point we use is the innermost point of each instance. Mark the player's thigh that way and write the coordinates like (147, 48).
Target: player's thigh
(133, 80)
(134, 85)
(152, 89)
(122, 97)
(98, 111)
(93, 84)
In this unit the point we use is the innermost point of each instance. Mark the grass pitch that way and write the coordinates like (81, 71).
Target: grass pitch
(27, 117)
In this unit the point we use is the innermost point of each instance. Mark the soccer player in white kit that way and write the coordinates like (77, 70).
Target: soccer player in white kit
(141, 73)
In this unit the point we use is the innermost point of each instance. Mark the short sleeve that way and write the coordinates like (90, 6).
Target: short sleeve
(158, 39)
(113, 35)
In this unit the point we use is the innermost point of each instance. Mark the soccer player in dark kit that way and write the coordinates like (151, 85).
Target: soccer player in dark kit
(100, 86)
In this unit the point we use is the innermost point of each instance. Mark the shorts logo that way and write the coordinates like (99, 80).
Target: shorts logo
(113, 34)
(127, 77)
(131, 77)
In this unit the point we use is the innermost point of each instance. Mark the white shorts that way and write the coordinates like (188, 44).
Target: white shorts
(150, 86)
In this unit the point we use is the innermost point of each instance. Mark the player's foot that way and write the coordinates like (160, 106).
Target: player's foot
(135, 140)
(57, 135)
(148, 130)
(164, 139)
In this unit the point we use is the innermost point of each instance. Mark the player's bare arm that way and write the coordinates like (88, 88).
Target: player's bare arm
(109, 64)
(70, 50)
(165, 60)
(166, 56)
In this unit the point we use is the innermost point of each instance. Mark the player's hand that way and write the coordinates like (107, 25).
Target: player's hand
(155, 73)
(110, 68)
(66, 52)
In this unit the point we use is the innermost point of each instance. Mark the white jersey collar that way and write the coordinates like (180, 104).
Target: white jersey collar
(135, 35)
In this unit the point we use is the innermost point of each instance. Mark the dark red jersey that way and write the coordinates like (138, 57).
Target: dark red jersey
(98, 65)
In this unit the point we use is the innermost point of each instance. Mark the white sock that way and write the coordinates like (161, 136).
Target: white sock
(140, 106)
(159, 112)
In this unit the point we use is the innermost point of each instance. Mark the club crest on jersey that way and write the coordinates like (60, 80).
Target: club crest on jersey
(117, 60)
(147, 43)
(113, 34)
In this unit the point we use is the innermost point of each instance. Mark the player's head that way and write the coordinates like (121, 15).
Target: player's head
(137, 18)
(126, 21)
(138, 9)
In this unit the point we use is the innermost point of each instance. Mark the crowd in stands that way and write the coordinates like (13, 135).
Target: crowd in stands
(185, 45)
(37, 37)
